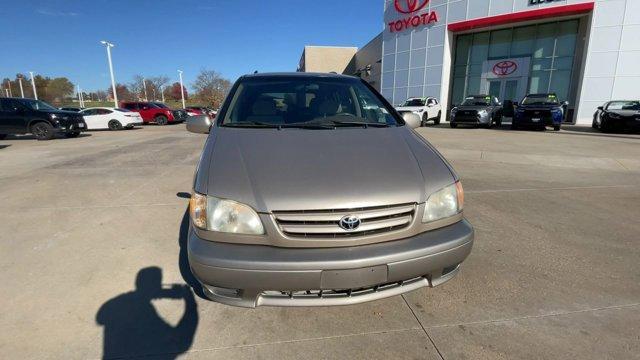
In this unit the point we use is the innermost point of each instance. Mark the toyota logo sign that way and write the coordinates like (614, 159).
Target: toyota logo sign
(505, 68)
(410, 6)
(350, 223)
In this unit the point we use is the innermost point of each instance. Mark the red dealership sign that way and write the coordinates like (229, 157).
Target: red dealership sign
(411, 7)
(505, 68)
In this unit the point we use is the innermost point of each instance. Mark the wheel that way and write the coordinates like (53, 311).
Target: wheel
(513, 125)
(425, 118)
(115, 125)
(453, 125)
(162, 120)
(42, 131)
(436, 121)
(499, 121)
(74, 134)
(3, 136)
(605, 126)
(594, 123)
(556, 127)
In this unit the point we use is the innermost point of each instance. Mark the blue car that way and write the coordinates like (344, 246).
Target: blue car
(539, 111)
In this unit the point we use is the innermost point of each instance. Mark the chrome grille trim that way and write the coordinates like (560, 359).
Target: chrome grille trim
(325, 223)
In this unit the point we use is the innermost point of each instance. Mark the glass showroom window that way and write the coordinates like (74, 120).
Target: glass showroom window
(551, 47)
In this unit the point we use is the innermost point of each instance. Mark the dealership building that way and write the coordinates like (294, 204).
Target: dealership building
(585, 51)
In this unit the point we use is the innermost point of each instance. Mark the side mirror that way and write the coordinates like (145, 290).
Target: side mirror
(600, 107)
(413, 120)
(565, 103)
(199, 124)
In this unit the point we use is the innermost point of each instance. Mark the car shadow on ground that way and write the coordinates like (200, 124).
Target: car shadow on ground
(133, 327)
(31, 137)
(4, 146)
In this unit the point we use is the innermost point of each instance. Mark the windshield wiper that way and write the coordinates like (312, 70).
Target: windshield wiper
(258, 124)
(359, 123)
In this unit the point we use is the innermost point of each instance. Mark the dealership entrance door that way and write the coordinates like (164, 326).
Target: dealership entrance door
(505, 89)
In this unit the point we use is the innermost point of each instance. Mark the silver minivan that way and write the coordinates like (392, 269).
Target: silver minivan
(312, 190)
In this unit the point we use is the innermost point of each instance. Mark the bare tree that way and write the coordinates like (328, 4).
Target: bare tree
(136, 88)
(210, 87)
(155, 84)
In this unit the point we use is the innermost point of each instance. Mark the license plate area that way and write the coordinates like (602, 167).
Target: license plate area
(535, 119)
(353, 278)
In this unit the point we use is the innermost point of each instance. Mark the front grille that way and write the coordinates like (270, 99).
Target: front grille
(542, 114)
(325, 223)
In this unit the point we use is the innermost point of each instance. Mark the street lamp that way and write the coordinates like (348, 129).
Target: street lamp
(21, 90)
(162, 92)
(144, 85)
(10, 92)
(33, 84)
(181, 89)
(113, 80)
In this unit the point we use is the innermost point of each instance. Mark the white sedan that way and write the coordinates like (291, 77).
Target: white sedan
(110, 118)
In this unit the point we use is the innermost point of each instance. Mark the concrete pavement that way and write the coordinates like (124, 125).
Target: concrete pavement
(554, 272)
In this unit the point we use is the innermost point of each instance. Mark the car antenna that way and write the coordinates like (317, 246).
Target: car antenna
(255, 72)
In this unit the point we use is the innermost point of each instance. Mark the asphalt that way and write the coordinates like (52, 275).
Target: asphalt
(554, 273)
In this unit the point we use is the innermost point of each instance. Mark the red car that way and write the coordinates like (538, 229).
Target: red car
(156, 112)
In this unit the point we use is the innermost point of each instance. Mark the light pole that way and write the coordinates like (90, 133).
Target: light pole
(181, 89)
(113, 80)
(144, 85)
(162, 92)
(33, 84)
(21, 90)
(10, 92)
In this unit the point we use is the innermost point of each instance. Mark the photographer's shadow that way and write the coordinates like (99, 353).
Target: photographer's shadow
(132, 326)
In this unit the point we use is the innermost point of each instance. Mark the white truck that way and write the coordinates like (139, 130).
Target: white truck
(428, 108)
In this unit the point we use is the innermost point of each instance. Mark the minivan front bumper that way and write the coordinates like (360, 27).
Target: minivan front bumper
(254, 275)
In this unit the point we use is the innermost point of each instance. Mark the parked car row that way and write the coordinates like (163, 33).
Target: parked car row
(537, 111)
(29, 116)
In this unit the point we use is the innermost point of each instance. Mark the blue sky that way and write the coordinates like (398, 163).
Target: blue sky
(233, 37)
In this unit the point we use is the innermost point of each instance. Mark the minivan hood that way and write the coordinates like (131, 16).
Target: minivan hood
(294, 169)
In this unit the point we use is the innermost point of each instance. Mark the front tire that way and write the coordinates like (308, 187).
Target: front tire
(3, 136)
(436, 121)
(556, 127)
(513, 125)
(162, 120)
(425, 119)
(42, 131)
(453, 125)
(114, 125)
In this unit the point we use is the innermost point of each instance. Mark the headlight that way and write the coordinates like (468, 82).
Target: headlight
(483, 113)
(54, 116)
(444, 203)
(214, 214)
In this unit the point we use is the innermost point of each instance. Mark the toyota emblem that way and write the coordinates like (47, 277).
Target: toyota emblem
(350, 222)
(410, 6)
(505, 68)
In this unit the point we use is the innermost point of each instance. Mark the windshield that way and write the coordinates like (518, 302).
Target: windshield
(543, 99)
(305, 102)
(160, 105)
(477, 101)
(37, 105)
(122, 110)
(414, 102)
(624, 105)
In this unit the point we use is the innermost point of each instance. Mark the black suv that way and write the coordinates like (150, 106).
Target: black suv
(22, 116)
